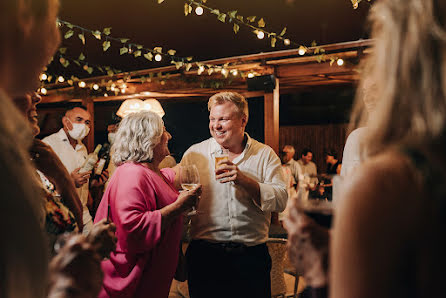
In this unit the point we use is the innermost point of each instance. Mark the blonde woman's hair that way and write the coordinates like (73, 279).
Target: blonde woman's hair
(237, 99)
(137, 135)
(407, 66)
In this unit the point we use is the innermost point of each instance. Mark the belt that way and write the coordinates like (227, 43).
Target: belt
(228, 247)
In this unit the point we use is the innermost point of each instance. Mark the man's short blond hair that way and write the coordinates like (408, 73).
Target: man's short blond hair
(236, 98)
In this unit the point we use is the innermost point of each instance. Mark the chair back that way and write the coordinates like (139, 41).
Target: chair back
(277, 250)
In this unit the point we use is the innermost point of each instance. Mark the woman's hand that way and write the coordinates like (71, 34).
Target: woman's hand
(188, 199)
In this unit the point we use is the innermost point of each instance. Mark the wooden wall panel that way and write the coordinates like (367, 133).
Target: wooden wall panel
(317, 138)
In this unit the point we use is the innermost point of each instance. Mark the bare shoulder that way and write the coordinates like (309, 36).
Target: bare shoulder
(384, 187)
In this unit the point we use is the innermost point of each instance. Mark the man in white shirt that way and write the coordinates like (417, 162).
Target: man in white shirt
(227, 256)
(308, 167)
(67, 144)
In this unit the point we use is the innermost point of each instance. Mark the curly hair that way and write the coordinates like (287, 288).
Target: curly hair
(137, 135)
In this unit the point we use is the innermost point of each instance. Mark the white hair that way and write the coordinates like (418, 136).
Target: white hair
(137, 135)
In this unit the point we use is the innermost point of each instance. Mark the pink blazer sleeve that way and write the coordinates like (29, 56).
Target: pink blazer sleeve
(135, 207)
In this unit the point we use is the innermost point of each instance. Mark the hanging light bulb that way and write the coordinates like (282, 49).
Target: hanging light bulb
(158, 57)
(112, 88)
(43, 77)
(200, 70)
(123, 90)
(286, 41)
(260, 34)
(340, 62)
(105, 95)
(234, 72)
(302, 50)
(60, 79)
(250, 75)
(82, 84)
(43, 91)
(96, 87)
(224, 72)
(199, 10)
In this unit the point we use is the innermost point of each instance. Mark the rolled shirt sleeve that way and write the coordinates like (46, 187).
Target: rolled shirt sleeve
(273, 192)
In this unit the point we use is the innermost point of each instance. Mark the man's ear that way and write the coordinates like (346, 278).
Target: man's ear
(244, 121)
(66, 123)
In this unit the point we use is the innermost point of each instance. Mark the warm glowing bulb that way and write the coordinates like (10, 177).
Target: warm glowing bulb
(112, 88)
(122, 90)
(43, 90)
(60, 79)
(43, 77)
(234, 72)
(96, 87)
(250, 75)
(224, 72)
(287, 42)
(199, 10)
(200, 69)
(302, 50)
(340, 62)
(260, 34)
(158, 57)
(82, 84)
(105, 95)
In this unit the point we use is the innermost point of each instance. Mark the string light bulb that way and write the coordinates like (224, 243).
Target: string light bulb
(199, 10)
(123, 90)
(340, 62)
(43, 91)
(158, 57)
(302, 50)
(60, 79)
(43, 77)
(200, 70)
(234, 72)
(260, 34)
(105, 95)
(286, 42)
(224, 72)
(96, 87)
(250, 75)
(82, 84)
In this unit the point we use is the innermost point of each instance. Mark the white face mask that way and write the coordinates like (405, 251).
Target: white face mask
(79, 131)
(111, 137)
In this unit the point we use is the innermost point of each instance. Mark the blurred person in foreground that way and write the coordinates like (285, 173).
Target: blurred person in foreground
(387, 236)
(227, 256)
(28, 38)
(59, 193)
(147, 209)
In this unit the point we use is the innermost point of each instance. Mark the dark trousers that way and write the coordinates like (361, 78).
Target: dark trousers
(228, 270)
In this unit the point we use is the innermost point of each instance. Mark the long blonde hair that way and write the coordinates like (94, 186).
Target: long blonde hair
(408, 66)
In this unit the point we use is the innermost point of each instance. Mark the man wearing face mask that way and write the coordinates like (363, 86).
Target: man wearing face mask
(67, 143)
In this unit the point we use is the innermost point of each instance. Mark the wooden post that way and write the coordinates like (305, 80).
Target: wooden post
(89, 140)
(271, 108)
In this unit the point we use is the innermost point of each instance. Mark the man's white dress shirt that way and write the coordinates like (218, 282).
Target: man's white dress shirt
(226, 211)
(72, 158)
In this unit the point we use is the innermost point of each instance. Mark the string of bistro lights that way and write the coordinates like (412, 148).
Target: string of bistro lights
(137, 50)
(259, 30)
(157, 54)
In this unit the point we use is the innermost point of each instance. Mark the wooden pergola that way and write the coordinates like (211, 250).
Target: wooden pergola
(293, 73)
